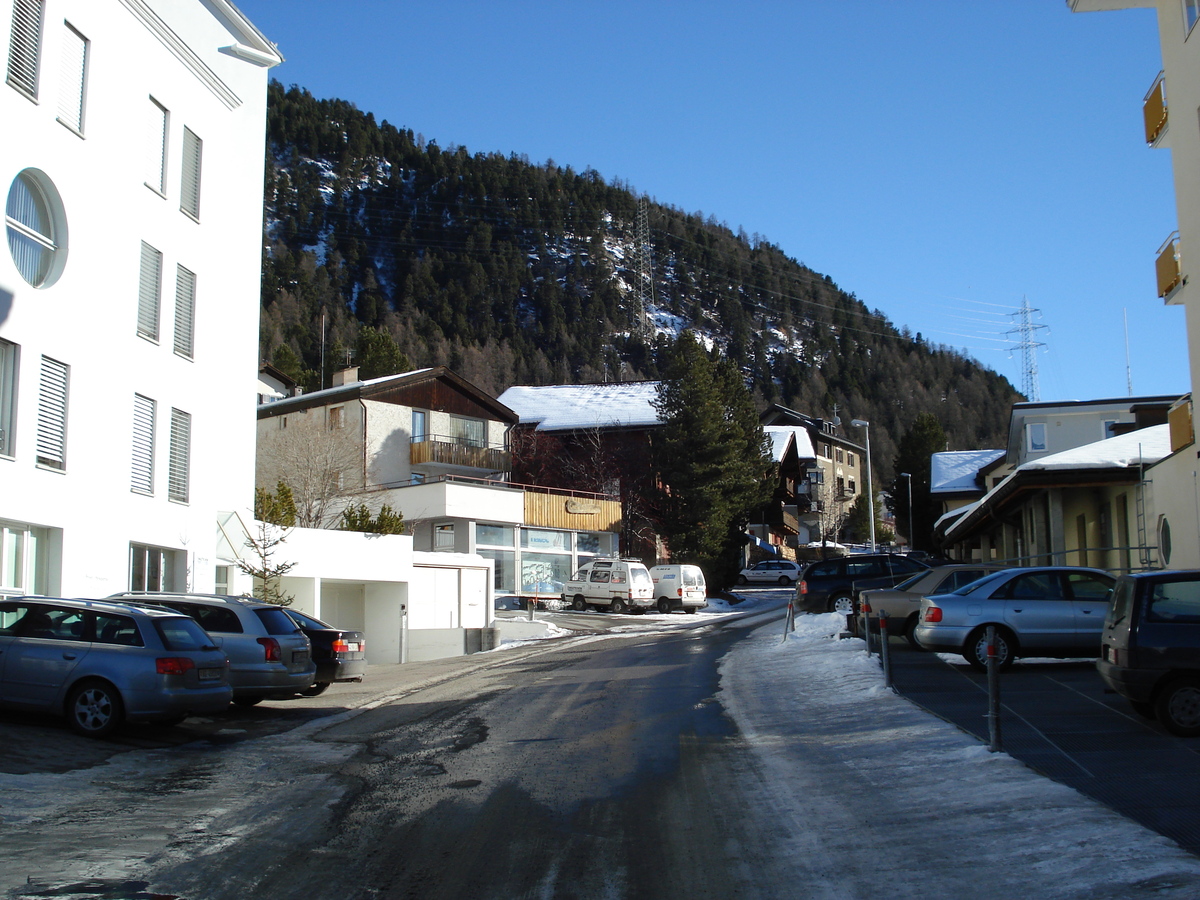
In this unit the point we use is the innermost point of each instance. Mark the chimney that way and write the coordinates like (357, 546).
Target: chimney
(345, 376)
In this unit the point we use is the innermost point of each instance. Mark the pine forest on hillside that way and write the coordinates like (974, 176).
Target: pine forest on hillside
(511, 272)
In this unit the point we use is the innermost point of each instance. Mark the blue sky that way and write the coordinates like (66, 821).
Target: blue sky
(940, 159)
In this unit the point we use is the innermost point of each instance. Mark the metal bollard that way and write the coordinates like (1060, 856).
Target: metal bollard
(884, 652)
(995, 745)
(864, 609)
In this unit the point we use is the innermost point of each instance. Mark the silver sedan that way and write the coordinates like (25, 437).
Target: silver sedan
(1054, 611)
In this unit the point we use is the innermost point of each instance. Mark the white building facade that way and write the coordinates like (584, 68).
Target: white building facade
(129, 289)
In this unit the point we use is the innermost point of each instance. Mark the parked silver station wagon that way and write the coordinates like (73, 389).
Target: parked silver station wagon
(269, 656)
(100, 663)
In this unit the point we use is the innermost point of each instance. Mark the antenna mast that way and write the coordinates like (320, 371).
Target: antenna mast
(1026, 331)
(1128, 368)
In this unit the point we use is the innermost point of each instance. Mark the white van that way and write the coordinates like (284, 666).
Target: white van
(613, 584)
(679, 587)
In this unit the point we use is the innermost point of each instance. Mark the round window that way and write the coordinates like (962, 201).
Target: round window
(37, 234)
(1164, 541)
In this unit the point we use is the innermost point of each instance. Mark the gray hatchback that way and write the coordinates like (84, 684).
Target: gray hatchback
(269, 656)
(101, 664)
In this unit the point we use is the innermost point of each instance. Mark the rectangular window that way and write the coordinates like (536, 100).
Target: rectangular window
(839, 454)
(443, 537)
(469, 432)
(157, 130)
(24, 551)
(189, 195)
(850, 460)
(8, 398)
(141, 478)
(149, 292)
(155, 569)
(52, 414)
(25, 46)
(1109, 428)
(337, 417)
(72, 78)
(1191, 12)
(418, 426)
(179, 461)
(185, 311)
(1035, 433)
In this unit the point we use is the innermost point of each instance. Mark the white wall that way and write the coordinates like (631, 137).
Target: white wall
(87, 319)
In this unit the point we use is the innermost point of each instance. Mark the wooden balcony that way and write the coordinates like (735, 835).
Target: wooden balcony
(1168, 267)
(1179, 421)
(779, 516)
(440, 450)
(1154, 110)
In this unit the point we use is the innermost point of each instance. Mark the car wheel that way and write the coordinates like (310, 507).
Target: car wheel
(690, 610)
(1178, 707)
(842, 603)
(910, 630)
(618, 605)
(664, 605)
(94, 708)
(784, 581)
(316, 690)
(247, 701)
(975, 649)
(579, 604)
(741, 579)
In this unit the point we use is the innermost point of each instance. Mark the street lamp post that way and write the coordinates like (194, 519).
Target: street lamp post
(910, 512)
(862, 423)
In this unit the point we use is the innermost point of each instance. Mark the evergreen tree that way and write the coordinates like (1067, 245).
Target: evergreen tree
(711, 457)
(358, 517)
(925, 438)
(378, 355)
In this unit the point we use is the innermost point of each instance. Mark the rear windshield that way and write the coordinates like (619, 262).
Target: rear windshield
(1175, 601)
(183, 634)
(306, 621)
(276, 621)
(971, 585)
(639, 576)
(910, 581)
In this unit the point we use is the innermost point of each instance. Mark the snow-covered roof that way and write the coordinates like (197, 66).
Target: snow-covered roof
(956, 470)
(1146, 446)
(564, 407)
(781, 435)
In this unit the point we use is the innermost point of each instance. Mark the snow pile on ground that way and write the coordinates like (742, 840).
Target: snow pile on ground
(895, 787)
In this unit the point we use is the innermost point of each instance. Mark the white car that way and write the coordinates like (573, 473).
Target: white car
(771, 571)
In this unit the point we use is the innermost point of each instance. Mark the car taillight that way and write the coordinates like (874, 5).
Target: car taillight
(271, 647)
(340, 646)
(173, 665)
(802, 588)
(933, 614)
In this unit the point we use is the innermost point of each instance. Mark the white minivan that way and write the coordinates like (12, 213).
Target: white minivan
(610, 584)
(679, 587)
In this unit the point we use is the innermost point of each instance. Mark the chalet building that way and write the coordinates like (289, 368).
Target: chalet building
(434, 448)
(836, 475)
(777, 526)
(1169, 116)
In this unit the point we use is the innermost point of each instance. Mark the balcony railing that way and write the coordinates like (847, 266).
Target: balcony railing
(1154, 110)
(1168, 266)
(446, 450)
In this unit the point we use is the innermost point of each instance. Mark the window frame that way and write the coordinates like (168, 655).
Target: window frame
(1032, 428)
(54, 387)
(36, 228)
(141, 473)
(1191, 15)
(25, 47)
(179, 457)
(72, 78)
(149, 309)
(190, 175)
(10, 358)
(185, 312)
(158, 143)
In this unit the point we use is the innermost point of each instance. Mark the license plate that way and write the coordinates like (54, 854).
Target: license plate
(209, 674)
(352, 646)
(299, 656)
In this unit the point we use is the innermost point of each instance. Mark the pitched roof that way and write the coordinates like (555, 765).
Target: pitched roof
(955, 471)
(567, 407)
(781, 436)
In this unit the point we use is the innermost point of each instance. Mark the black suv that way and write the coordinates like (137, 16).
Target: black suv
(828, 585)
(1150, 649)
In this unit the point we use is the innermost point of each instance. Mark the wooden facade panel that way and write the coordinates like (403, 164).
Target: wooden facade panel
(447, 454)
(574, 513)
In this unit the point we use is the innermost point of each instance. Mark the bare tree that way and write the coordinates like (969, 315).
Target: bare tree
(322, 466)
(832, 509)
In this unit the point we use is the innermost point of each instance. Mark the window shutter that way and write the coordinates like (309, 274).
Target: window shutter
(185, 311)
(156, 147)
(178, 466)
(72, 69)
(142, 473)
(149, 292)
(189, 200)
(25, 46)
(52, 414)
